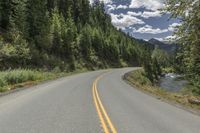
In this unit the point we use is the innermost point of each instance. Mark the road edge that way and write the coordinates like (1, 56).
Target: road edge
(29, 84)
(173, 103)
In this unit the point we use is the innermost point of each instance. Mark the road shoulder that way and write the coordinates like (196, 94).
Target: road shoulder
(174, 99)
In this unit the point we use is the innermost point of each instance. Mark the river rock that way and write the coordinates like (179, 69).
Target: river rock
(194, 100)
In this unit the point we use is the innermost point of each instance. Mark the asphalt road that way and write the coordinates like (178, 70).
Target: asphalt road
(91, 102)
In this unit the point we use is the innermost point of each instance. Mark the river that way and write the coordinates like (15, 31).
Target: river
(172, 82)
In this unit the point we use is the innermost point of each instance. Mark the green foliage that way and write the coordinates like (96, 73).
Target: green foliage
(18, 17)
(162, 57)
(2, 82)
(17, 76)
(86, 41)
(65, 34)
(168, 69)
(56, 27)
(188, 57)
(139, 76)
(15, 53)
(56, 70)
(5, 12)
(152, 67)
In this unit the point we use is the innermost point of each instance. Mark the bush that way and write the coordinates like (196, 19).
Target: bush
(56, 69)
(14, 53)
(21, 75)
(196, 84)
(2, 82)
(139, 76)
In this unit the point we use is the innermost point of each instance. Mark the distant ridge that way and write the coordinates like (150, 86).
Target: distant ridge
(169, 48)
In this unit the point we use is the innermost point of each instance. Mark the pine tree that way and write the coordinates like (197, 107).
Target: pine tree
(85, 11)
(38, 19)
(5, 11)
(18, 17)
(64, 6)
(51, 4)
(86, 41)
(70, 40)
(98, 42)
(56, 27)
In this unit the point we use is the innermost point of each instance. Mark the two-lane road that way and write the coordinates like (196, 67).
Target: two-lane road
(91, 103)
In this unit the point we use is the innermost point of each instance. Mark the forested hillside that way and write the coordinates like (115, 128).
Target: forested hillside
(64, 34)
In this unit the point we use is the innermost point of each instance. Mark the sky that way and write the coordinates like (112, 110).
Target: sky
(141, 18)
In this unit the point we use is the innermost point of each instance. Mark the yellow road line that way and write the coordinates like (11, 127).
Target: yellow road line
(101, 110)
(99, 113)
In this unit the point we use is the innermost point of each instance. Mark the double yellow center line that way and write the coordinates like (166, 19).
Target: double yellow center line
(103, 116)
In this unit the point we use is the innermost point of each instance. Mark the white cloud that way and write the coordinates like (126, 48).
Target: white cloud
(105, 1)
(110, 7)
(148, 4)
(168, 38)
(159, 39)
(145, 14)
(122, 7)
(149, 29)
(134, 13)
(124, 20)
(149, 14)
(174, 26)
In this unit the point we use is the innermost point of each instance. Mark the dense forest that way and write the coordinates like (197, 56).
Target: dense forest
(64, 34)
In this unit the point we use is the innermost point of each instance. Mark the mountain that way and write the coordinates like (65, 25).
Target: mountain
(169, 48)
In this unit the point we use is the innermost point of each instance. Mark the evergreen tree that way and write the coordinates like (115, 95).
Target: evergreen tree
(56, 27)
(64, 6)
(86, 42)
(70, 40)
(38, 19)
(18, 16)
(5, 11)
(51, 4)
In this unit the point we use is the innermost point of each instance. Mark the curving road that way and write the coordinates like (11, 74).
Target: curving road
(92, 102)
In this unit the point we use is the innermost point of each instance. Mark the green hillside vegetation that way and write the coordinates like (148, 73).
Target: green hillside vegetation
(62, 36)
(68, 34)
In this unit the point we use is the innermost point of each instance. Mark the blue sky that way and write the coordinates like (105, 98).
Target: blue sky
(142, 18)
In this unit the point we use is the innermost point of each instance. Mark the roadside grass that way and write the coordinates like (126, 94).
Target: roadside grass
(138, 79)
(12, 79)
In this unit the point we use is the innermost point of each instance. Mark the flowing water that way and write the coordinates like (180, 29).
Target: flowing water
(172, 82)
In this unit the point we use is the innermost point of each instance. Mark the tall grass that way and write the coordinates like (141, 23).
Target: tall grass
(21, 75)
(139, 77)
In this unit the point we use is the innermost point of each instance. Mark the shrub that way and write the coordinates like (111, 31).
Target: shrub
(2, 82)
(21, 75)
(139, 76)
(57, 69)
